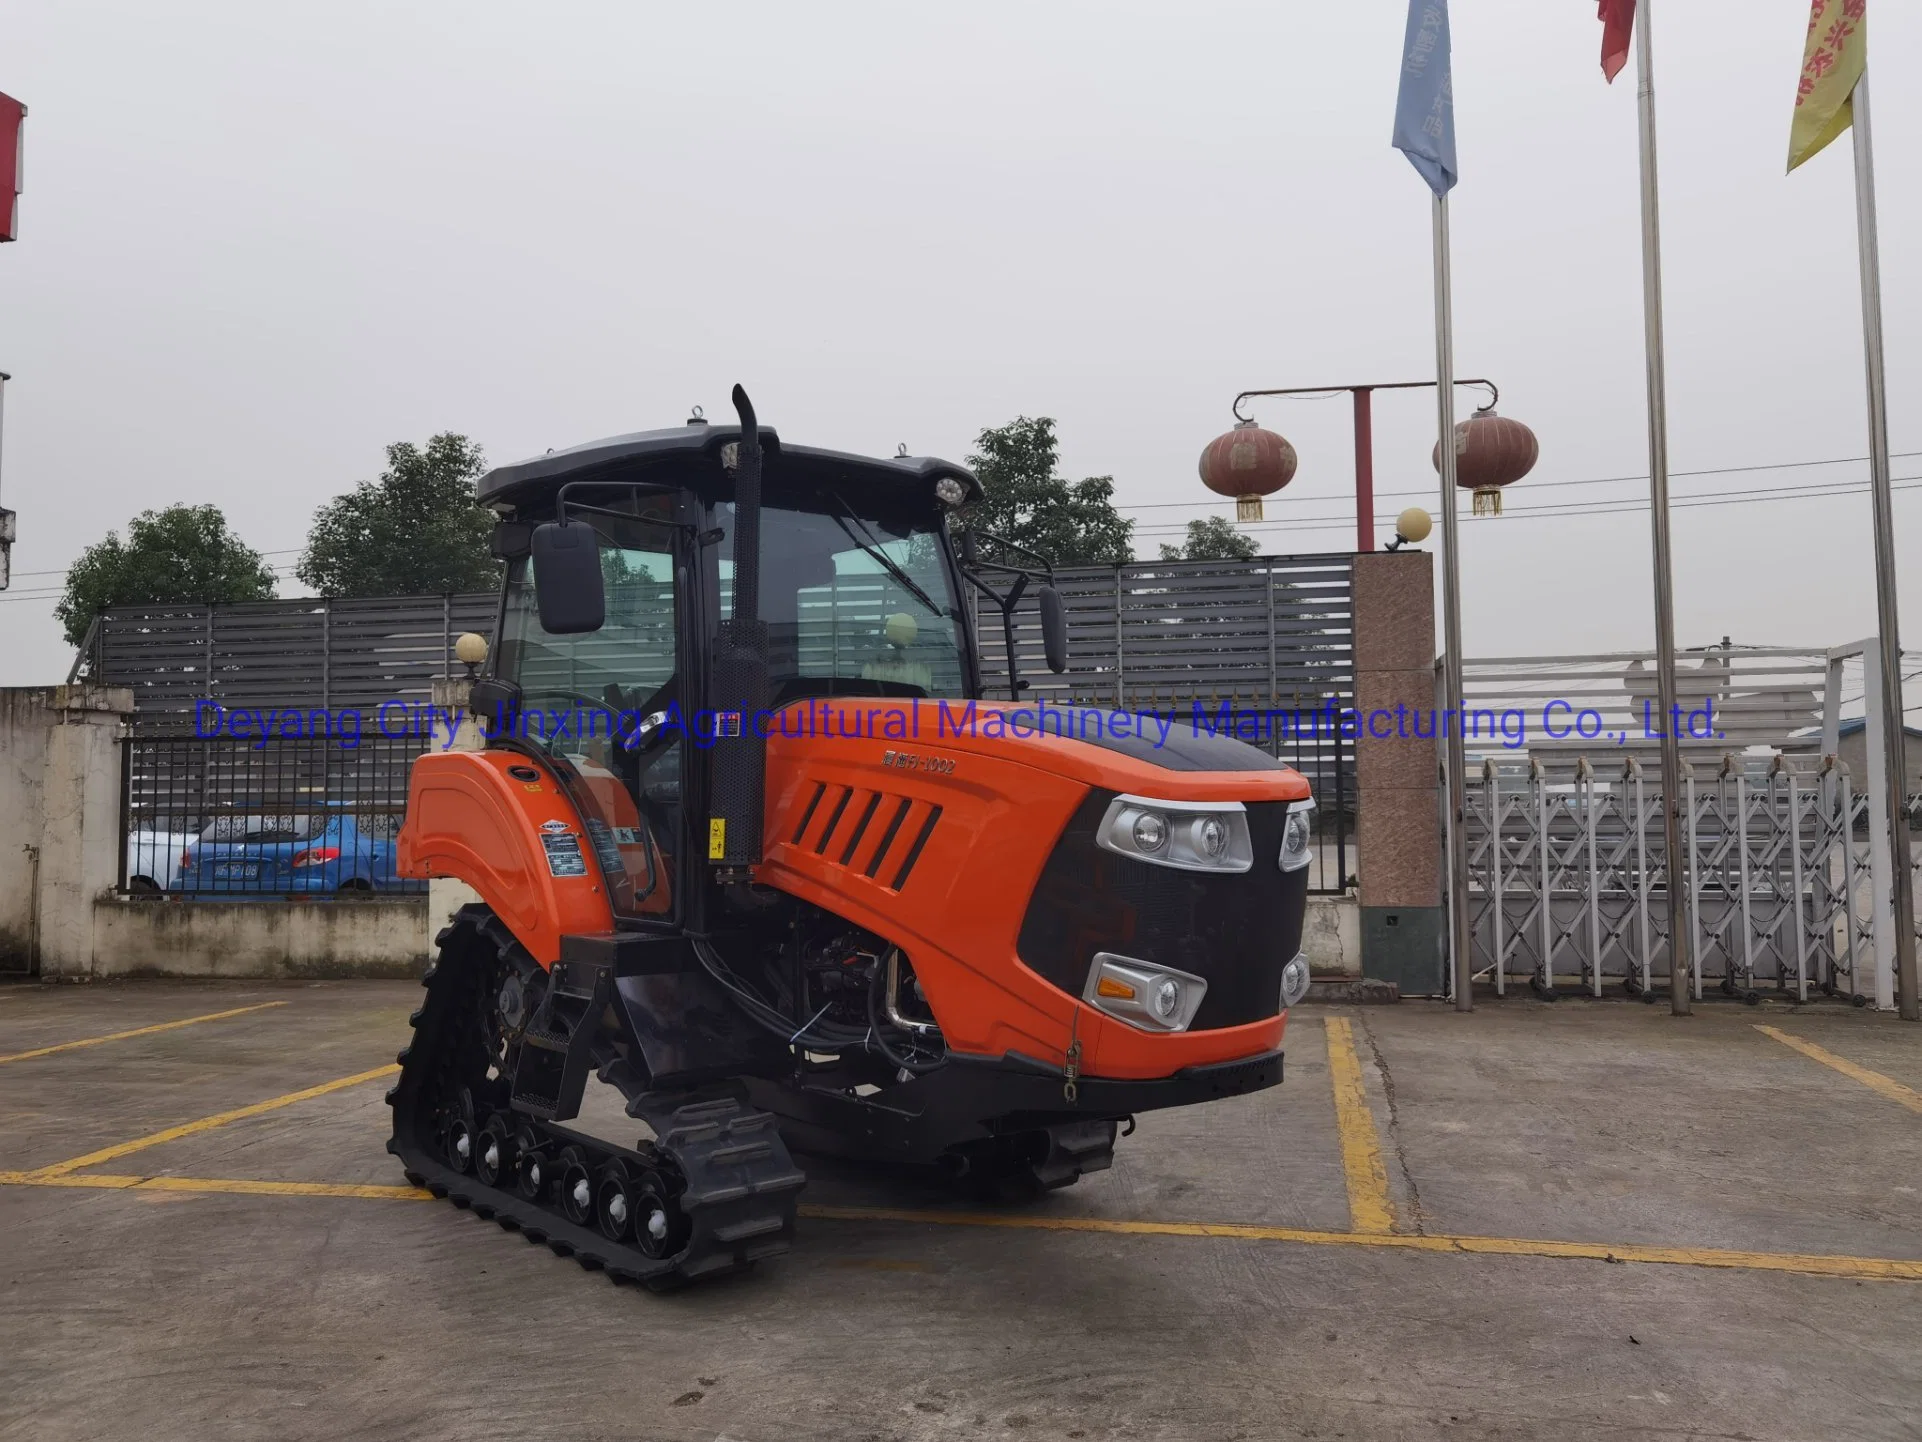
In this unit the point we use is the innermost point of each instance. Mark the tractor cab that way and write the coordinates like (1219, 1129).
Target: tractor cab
(624, 581)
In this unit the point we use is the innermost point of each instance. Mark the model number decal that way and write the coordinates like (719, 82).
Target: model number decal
(914, 761)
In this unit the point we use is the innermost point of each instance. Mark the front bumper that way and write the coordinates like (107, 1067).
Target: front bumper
(975, 1097)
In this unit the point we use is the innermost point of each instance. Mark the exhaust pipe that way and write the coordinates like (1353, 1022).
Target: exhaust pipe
(738, 689)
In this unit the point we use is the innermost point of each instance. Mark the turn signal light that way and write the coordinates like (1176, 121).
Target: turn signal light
(316, 856)
(1150, 997)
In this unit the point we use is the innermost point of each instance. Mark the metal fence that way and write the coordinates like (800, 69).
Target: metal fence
(1162, 637)
(310, 817)
(1568, 878)
(302, 653)
(1788, 851)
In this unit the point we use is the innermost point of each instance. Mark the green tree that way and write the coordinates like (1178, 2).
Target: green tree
(415, 531)
(1072, 523)
(184, 554)
(1212, 539)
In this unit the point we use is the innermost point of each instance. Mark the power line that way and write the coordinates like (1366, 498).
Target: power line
(1592, 481)
(1574, 509)
(61, 571)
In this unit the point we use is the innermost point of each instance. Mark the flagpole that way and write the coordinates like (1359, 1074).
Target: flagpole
(1890, 659)
(1460, 936)
(1672, 791)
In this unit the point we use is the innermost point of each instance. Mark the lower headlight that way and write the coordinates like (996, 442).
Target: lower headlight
(1294, 981)
(1154, 998)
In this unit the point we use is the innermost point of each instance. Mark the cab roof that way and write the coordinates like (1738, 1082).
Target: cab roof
(629, 457)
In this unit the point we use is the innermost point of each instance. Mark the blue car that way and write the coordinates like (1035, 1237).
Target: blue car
(278, 854)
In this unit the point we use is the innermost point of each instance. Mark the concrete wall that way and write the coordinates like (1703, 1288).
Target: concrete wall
(1331, 936)
(60, 804)
(26, 720)
(151, 937)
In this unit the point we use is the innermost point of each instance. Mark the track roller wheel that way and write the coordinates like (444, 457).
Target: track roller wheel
(614, 1202)
(457, 1136)
(660, 1226)
(460, 1145)
(533, 1167)
(577, 1186)
(495, 1153)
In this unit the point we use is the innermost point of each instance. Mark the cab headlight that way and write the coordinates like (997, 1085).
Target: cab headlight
(1296, 833)
(1153, 998)
(1187, 835)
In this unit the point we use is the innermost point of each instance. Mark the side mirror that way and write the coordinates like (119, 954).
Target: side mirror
(1054, 629)
(567, 578)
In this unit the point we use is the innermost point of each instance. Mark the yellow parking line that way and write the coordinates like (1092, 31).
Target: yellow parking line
(1369, 1209)
(207, 1124)
(1874, 1080)
(1807, 1263)
(242, 1186)
(137, 1031)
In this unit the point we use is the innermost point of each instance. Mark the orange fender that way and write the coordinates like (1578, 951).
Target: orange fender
(469, 819)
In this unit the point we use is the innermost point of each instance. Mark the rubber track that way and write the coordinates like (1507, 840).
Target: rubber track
(741, 1187)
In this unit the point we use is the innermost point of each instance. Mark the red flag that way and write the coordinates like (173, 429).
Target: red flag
(1618, 23)
(12, 116)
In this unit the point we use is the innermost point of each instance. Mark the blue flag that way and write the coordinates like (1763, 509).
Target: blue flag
(1425, 110)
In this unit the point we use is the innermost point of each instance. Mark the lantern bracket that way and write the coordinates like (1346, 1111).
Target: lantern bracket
(1494, 394)
(1364, 434)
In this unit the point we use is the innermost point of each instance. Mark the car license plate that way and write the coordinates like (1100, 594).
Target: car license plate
(236, 870)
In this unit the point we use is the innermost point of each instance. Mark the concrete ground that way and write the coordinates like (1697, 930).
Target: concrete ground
(1538, 1221)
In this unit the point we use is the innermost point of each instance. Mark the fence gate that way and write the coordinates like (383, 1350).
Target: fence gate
(1568, 877)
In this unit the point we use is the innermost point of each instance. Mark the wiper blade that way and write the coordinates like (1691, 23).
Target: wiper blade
(887, 562)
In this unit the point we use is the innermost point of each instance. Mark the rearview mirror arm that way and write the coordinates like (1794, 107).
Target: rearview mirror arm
(1007, 603)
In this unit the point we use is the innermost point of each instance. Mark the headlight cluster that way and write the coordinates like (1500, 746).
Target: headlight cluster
(1154, 998)
(1187, 835)
(1296, 834)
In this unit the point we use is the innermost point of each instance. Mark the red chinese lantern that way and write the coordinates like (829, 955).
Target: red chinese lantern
(1491, 451)
(1248, 463)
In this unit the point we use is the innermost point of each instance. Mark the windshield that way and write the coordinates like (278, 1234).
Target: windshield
(854, 605)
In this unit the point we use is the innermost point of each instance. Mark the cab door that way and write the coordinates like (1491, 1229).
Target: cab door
(606, 709)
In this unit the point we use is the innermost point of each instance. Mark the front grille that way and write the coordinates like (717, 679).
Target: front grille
(878, 834)
(1236, 932)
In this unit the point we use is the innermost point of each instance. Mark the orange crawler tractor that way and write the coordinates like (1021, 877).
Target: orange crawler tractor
(752, 847)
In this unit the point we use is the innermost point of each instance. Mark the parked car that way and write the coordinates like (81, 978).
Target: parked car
(276, 854)
(155, 856)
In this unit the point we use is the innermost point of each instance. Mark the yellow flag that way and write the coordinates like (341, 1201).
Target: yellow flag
(1832, 61)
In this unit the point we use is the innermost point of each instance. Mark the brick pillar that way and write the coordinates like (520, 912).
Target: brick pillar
(1398, 776)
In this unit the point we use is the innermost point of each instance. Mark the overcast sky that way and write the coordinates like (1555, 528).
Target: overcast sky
(262, 241)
